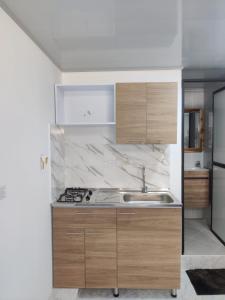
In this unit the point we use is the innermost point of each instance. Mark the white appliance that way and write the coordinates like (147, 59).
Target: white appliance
(218, 197)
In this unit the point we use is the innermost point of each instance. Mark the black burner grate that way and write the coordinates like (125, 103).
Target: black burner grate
(73, 195)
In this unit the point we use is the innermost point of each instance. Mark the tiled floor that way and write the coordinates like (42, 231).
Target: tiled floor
(186, 292)
(199, 240)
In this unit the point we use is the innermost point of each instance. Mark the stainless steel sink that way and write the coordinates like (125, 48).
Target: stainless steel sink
(148, 198)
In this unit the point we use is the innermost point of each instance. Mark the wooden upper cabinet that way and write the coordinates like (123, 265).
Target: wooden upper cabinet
(146, 113)
(161, 113)
(131, 113)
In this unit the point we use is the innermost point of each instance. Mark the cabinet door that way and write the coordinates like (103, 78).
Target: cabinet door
(68, 251)
(130, 113)
(161, 113)
(68, 259)
(196, 192)
(100, 255)
(149, 248)
(84, 218)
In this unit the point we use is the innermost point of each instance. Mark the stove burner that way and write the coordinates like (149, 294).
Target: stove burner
(72, 195)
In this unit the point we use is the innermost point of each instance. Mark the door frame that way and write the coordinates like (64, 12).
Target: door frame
(222, 80)
(216, 164)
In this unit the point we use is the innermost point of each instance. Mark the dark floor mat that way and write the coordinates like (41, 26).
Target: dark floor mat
(208, 281)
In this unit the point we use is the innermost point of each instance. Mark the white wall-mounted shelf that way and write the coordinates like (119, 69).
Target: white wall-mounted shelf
(85, 105)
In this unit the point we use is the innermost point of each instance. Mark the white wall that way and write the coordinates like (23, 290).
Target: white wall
(83, 78)
(27, 80)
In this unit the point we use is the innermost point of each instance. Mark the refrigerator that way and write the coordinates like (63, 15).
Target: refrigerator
(218, 184)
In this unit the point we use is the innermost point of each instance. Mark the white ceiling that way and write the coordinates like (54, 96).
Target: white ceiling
(80, 35)
(203, 33)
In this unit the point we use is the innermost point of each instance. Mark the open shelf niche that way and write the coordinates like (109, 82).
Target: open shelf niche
(85, 105)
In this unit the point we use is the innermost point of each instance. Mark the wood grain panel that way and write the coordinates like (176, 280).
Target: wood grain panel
(196, 174)
(161, 113)
(196, 193)
(130, 113)
(149, 248)
(68, 259)
(100, 254)
(74, 218)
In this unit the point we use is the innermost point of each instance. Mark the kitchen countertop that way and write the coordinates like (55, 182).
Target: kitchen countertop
(113, 198)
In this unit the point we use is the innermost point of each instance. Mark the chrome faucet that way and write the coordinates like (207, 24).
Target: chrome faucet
(144, 187)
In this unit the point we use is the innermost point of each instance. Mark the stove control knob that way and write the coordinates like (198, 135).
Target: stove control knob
(87, 198)
(90, 192)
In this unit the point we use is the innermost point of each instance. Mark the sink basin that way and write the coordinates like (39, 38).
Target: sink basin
(151, 198)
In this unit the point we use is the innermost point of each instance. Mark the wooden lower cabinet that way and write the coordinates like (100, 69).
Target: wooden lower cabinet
(100, 256)
(68, 259)
(149, 248)
(84, 248)
(196, 193)
(196, 189)
(134, 248)
(83, 218)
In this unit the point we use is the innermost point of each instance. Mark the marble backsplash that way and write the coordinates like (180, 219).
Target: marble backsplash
(89, 157)
(57, 161)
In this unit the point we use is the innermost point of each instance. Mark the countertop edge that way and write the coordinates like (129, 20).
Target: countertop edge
(112, 198)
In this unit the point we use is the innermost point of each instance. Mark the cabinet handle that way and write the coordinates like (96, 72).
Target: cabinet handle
(127, 213)
(73, 233)
(82, 213)
(136, 142)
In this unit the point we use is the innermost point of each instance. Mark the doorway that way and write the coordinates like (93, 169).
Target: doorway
(197, 136)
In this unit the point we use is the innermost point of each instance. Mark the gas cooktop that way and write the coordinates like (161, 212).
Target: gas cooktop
(73, 195)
